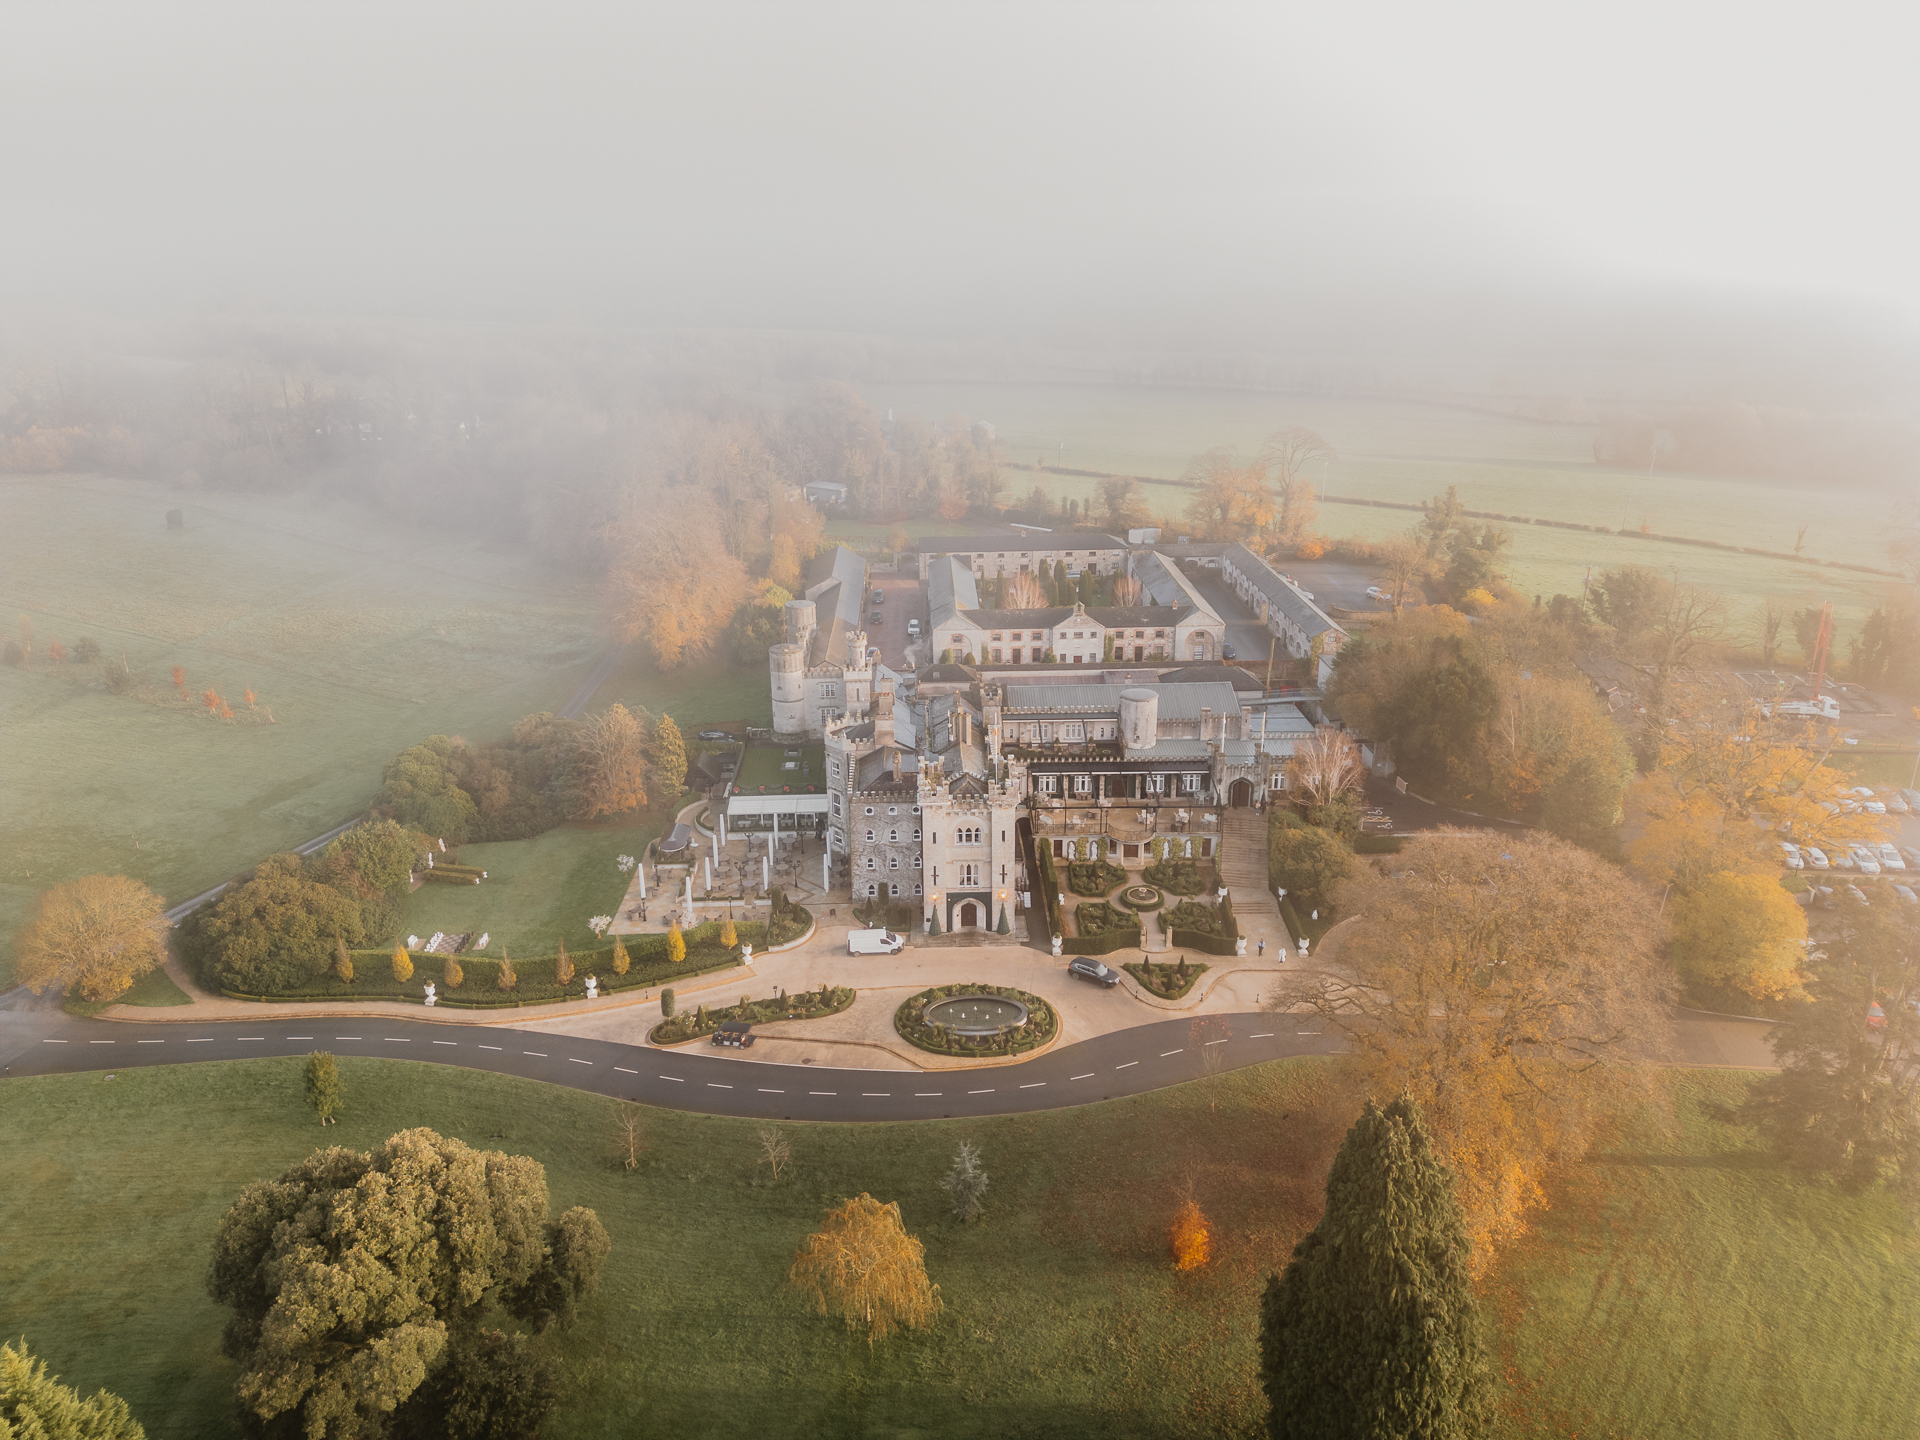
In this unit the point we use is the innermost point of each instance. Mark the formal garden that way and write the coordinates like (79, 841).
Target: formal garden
(976, 1020)
(1167, 979)
(703, 1020)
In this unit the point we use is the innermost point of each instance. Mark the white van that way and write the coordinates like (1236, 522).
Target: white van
(874, 942)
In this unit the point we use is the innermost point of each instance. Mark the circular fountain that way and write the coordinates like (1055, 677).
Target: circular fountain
(977, 1014)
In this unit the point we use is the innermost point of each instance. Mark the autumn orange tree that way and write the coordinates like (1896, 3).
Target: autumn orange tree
(614, 762)
(96, 935)
(1190, 1238)
(863, 1265)
(1508, 985)
(1740, 932)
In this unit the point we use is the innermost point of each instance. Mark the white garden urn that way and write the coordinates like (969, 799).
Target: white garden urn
(1240, 946)
(431, 997)
(746, 954)
(593, 988)
(1056, 947)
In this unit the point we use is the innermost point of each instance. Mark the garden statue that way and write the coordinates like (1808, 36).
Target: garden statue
(1056, 947)
(430, 995)
(1221, 894)
(593, 988)
(1303, 944)
(1189, 847)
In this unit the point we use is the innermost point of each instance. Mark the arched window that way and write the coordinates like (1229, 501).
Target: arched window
(916, 862)
(893, 862)
(893, 837)
(893, 890)
(916, 887)
(873, 888)
(872, 864)
(869, 837)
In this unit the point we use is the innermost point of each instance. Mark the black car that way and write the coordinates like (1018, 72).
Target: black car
(714, 735)
(1227, 651)
(875, 618)
(1090, 969)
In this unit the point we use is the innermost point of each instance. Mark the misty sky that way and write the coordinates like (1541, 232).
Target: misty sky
(1114, 173)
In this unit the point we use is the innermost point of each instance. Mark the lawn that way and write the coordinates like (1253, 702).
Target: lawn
(1408, 451)
(1678, 1286)
(361, 637)
(537, 892)
(1683, 1286)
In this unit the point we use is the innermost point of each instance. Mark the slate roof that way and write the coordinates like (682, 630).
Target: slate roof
(1177, 702)
(1204, 674)
(1311, 619)
(1162, 579)
(1111, 617)
(950, 587)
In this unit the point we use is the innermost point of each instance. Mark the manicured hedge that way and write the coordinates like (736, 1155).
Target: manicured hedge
(1200, 940)
(1048, 882)
(1094, 877)
(536, 983)
(1378, 845)
(1104, 944)
(1043, 1023)
(1181, 876)
(807, 1005)
(1152, 974)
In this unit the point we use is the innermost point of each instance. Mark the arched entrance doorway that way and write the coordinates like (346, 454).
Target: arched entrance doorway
(1240, 794)
(966, 916)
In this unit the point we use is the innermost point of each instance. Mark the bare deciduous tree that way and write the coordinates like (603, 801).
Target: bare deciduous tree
(1325, 766)
(1769, 619)
(1403, 560)
(1024, 592)
(629, 1135)
(1127, 590)
(776, 1153)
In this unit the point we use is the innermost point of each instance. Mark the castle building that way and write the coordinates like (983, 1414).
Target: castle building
(822, 669)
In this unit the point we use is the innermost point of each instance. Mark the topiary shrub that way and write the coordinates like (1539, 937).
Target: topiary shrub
(1094, 877)
(1181, 876)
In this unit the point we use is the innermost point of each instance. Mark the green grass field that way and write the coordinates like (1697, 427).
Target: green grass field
(361, 638)
(1408, 451)
(1679, 1285)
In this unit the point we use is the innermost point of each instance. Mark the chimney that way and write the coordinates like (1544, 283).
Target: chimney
(895, 757)
(1206, 721)
(883, 710)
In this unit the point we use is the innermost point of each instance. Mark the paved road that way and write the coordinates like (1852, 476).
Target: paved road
(1247, 635)
(905, 601)
(1129, 1062)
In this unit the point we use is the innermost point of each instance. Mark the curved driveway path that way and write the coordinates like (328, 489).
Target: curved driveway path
(1127, 1062)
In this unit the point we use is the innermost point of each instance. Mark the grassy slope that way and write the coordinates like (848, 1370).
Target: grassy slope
(1683, 1286)
(1679, 1286)
(1404, 451)
(339, 625)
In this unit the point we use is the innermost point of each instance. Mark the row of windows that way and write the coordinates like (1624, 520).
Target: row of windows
(893, 863)
(1083, 784)
(893, 837)
(893, 888)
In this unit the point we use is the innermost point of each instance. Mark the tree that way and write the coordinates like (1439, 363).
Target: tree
(452, 973)
(863, 1264)
(495, 1386)
(671, 588)
(1740, 932)
(1286, 453)
(378, 853)
(1402, 561)
(342, 962)
(1308, 861)
(1442, 514)
(1840, 1105)
(729, 937)
(1024, 592)
(1372, 1330)
(1325, 766)
(418, 790)
(402, 964)
(1626, 599)
(1437, 721)
(668, 757)
(629, 1135)
(666, 1004)
(507, 979)
(355, 1278)
(1504, 983)
(96, 935)
(1190, 1238)
(1769, 619)
(776, 1151)
(676, 943)
(1473, 559)
(562, 966)
(1233, 502)
(622, 962)
(325, 1091)
(966, 1183)
(614, 762)
(34, 1405)
(56, 652)
(577, 1247)
(1121, 503)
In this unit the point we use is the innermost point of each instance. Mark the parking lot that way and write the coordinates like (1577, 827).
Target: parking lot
(905, 601)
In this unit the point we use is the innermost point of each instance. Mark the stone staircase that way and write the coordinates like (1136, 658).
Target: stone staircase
(965, 940)
(1244, 869)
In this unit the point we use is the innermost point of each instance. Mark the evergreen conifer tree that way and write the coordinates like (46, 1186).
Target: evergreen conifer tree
(1372, 1330)
(669, 755)
(622, 962)
(563, 966)
(402, 964)
(342, 962)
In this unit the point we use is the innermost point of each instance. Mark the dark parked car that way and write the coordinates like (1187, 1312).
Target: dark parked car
(736, 1033)
(1227, 651)
(875, 618)
(714, 735)
(879, 597)
(1091, 969)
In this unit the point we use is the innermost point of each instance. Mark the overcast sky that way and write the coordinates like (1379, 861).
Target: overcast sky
(1112, 173)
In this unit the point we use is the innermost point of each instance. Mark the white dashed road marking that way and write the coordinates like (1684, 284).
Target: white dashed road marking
(152, 1042)
(1128, 1066)
(928, 1094)
(675, 1078)
(540, 1054)
(489, 1047)
(1263, 1035)
(1216, 1042)
(876, 1094)
(53, 1042)
(624, 1071)
(716, 1085)
(346, 1037)
(396, 1039)
(979, 1092)
(446, 1042)
(237, 1037)
(765, 1091)
(1181, 1051)
(192, 1040)
(1034, 1086)
(579, 1062)
(99, 1042)
(823, 1092)
(1087, 1076)
(296, 1037)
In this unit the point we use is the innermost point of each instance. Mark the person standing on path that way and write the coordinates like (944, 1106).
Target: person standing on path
(1263, 945)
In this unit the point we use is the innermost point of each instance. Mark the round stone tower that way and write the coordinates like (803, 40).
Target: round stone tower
(800, 620)
(1139, 718)
(788, 664)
